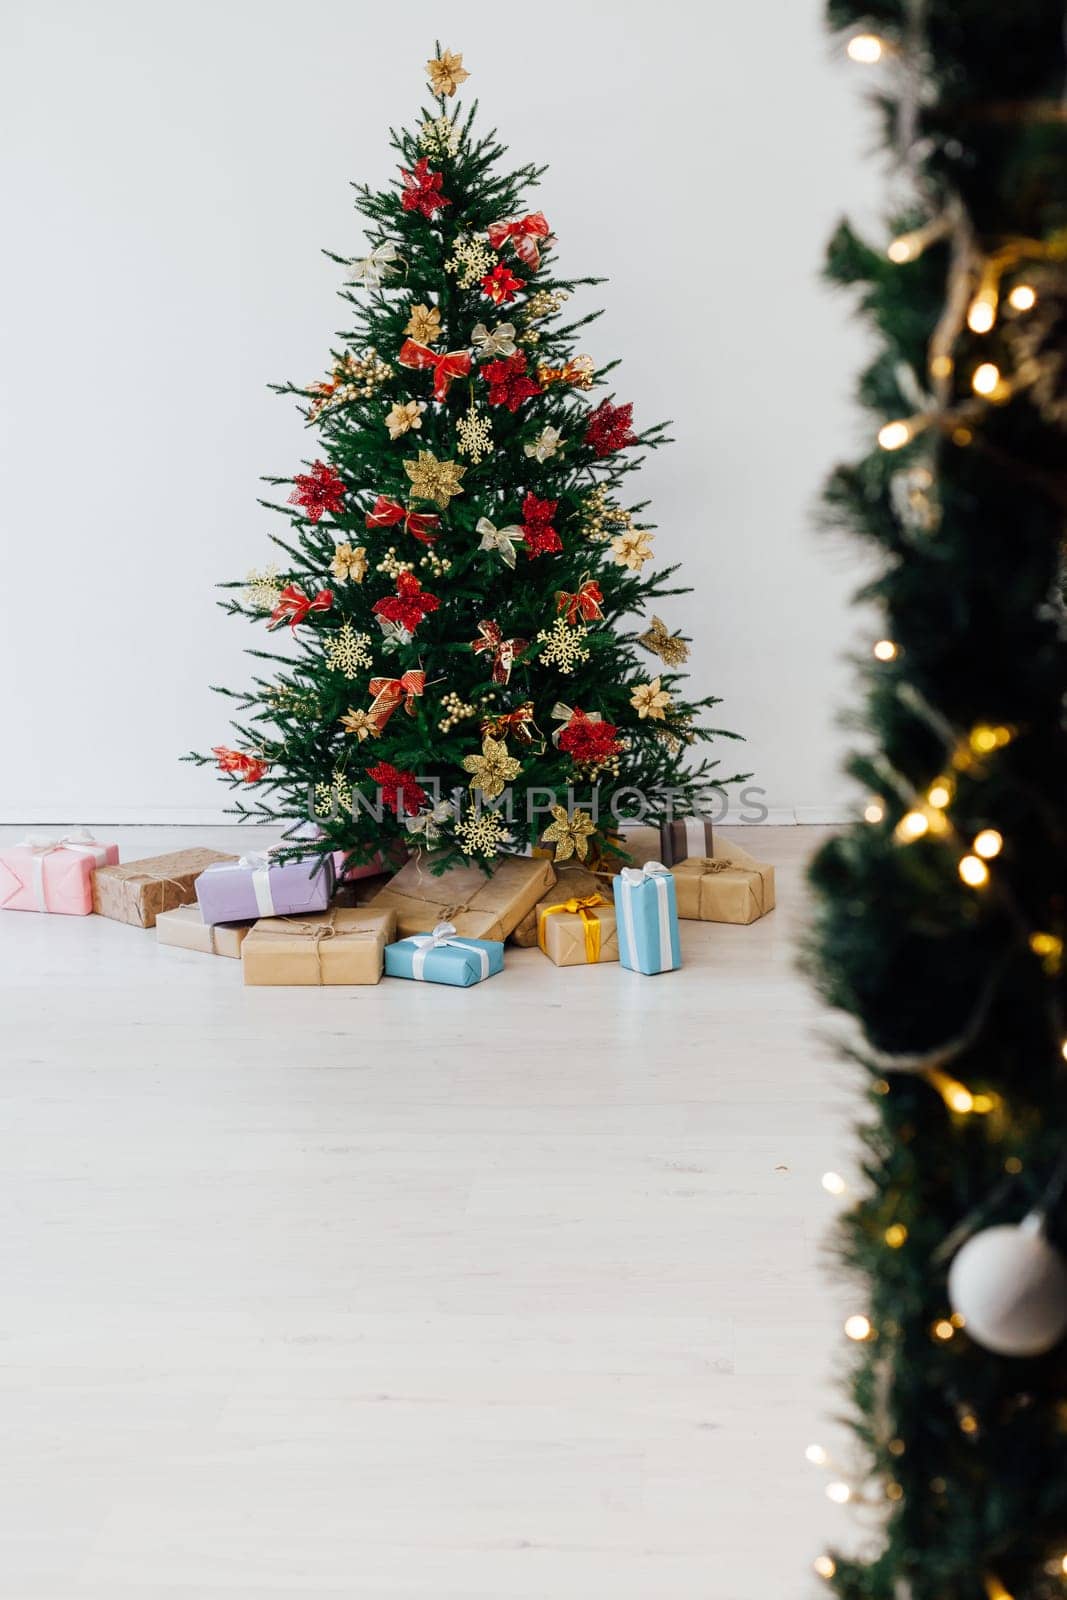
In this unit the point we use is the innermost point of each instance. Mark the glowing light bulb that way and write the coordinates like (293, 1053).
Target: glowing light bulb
(912, 825)
(873, 811)
(893, 1491)
(1023, 297)
(896, 1235)
(858, 1328)
(1063, 1049)
(983, 1104)
(956, 1095)
(982, 313)
(943, 1330)
(974, 872)
(986, 378)
(969, 1423)
(895, 435)
(1063, 1565)
(942, 367)
(995, 1590)
(885, 650)
(834, 1183)
(839, 1493)
(825, 1566)
(865, 48)
(983, 739)
(988, 843)
(940, 793)
(816, 1455)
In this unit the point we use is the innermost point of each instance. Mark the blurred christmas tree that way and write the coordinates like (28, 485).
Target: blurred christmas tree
(943, 914)
(460, 563)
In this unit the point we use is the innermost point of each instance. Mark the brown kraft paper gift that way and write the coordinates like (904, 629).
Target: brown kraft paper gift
(480, 907)
(730, 886)
(565, 939)
(573, 881)
(185, 928)
(342, 946)
(137, 891)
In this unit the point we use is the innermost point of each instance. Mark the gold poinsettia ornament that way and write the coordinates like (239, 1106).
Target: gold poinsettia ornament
(360, 723)
(569, 833)
(446, 72)
(400, 418)
(349, 563)
(670, 647)
(632, 548)
(434, 480)
(493, 768)
(651, 700)
(424, 324)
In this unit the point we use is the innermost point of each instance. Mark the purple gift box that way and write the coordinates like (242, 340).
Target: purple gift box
(258, 885)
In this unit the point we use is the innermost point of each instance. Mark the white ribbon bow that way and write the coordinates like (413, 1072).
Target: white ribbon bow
(502, 540)
(80, 840)
(378, 265)
(443, 933)
(499, 341)
(632, 878)
(651, 869)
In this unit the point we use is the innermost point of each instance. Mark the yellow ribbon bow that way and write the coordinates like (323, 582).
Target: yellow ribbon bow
(590, 924)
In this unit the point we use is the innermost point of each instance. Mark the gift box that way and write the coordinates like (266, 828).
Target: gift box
(646, 910)
(258, 884)
(481, 907)
(574, 881)
(578, 931)
(138, 891)
(730, 886)
(359, 891)
(186, 928)
(339, 946)
(440, 957)
(45, 874)
(384, 861)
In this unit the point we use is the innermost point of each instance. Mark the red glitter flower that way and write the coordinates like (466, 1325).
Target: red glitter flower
(400, 792)
(586, 740)
(500, 285)
(537, 530)
(409, 605)
(610, 428)
(318, 490)
(422, 190)
(249, 768)
(508, 384)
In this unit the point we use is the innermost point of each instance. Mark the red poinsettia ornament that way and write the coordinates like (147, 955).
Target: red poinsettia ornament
(422, 190)
(318, 490)
(409, 605)
(539, 536)
(500, 285)
(585, 739)
(400, 792)
(248, 768)
(508, 383)
(610, 428)
(295, 606)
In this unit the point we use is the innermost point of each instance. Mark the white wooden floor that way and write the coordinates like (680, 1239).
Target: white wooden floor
(511, 1292)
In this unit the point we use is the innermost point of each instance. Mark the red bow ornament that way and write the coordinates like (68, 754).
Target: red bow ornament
(584, 603)
(524, 233)
(452, 364)
(390, 692)
(409, 605)
(295, 606)
(387, 513)
(504, 650)
(519, 724)
(248, 768)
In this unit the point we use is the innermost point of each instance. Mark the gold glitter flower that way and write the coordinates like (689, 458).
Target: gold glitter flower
(446, 72)
(424, 324)
(402, 417)
(349, 563)
(361, 723)
(670, 647)
(434, 480)
(632, 548)
(493, 768)
(570, 834)
(650, 700)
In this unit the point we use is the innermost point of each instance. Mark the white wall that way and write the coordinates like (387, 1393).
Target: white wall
(170, 174)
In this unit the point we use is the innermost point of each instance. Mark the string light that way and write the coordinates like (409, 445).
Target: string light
(982, 312)
(896, 1235)
(986, 378)
(988, 844)
(1013, 1165)
(940, 793)
(895, 435)
(885, 650)
(1050, 949)
(834, 1183)
(983, 739)
(824, 1566)
(866, 48)
(974, 872)
(1023, 297)
(968, 1422)
(1063, 1565)
(893, 1491)
(942, 366)
(816, 1455)
(912, 825)
(995, 1590)
(943, 1330)
(858, 1328)
(838, 1492)
(896, 1447)
(910, 246)
(874, 811)
(1063, 1049)
(956, 1095)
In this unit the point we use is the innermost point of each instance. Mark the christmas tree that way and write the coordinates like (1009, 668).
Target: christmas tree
(459, 561)
(943, 912)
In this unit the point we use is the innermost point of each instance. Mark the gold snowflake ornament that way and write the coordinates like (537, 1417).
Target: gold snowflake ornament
(651, 700)
(563, 647)
(334, 796)
(474, 435)
(348, 651)
(263, 589)
(570, 834)
(632, 548)
(434, 480)
(470, 260)
(446, 72)
(349, 563)
(481, 834)
(492, 769)
(439, 137)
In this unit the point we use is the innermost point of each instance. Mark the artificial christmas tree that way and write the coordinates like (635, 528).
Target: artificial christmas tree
(943, 913)
(459, 567)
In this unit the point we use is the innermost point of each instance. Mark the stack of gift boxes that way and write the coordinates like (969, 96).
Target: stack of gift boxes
(304, 919)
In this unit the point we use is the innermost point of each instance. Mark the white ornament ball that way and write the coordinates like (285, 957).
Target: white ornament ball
(1010, 1287)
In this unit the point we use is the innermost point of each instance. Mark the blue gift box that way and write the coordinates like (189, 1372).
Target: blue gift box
(440, 957)
(646, 912)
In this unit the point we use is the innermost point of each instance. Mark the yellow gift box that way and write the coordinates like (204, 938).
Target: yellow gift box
(730, 886)
(579, 931)
(342, 946)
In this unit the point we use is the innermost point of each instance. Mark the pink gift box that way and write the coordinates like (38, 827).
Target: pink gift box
(44, 874)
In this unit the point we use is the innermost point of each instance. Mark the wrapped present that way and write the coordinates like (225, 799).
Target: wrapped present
(578, 931)
(340, 946)
(387, 860)
(574, 880)
(359, 891)
(647, 913)
(258, 884)
(186, 928)
(45, 874)
(138, 891)
(730, 886)
(439, 957)
(481, 907)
